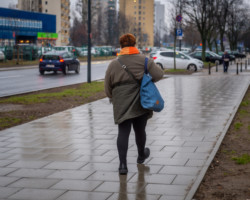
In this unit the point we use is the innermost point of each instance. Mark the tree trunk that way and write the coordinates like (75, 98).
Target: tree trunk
(216, 46)
(210, 45)
(203, 49)
(221, 43)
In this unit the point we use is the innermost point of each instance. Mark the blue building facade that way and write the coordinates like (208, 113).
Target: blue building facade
(18, 26)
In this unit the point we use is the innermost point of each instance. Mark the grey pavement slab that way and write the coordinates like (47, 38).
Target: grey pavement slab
(73, 154)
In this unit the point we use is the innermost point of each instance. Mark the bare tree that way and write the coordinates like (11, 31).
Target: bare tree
(191, 35)
(201, 13)
(78, 33)
(157, 39)
(222, 14)
(237, 23)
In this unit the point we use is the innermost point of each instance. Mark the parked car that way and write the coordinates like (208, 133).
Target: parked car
(59, 61)
(70, 49)
(165, 59)
(232, 57)
(238, 54)
(23, 51)
(28, 51)
(209, 56)
(185, 50)
(2, 56)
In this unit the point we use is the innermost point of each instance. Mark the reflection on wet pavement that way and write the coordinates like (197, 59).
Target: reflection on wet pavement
(73, 155)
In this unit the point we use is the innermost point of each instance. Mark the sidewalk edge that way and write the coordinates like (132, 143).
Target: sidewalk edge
(203, 171)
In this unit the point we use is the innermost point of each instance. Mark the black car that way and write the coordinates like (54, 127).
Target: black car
(231, 56)
(238, 54)
(209, 56)
(59, 61)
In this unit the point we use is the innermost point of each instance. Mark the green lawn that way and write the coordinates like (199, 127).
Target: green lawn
(86, 90)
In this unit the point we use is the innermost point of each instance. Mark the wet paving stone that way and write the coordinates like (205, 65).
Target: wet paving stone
(73, 154)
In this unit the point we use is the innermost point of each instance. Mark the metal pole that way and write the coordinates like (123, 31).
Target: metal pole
(216, 66)
(241, 67)
(89, 41)
(209, 68)
(245, 64)
(180, 25)
(237, 69)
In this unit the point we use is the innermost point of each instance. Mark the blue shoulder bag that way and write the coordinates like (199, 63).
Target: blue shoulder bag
(149, 94)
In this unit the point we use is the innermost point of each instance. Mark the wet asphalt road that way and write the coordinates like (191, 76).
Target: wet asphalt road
(29, 80)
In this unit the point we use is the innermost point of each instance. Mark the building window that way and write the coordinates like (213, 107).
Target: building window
(46, 10)
(135, 13)
(46, 2)
(139, 12)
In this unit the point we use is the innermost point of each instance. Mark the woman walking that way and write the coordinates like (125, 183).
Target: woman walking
(124, 93)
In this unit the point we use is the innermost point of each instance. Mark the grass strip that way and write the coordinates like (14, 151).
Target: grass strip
(85, 91)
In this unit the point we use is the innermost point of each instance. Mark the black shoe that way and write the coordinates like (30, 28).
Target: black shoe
(141, 160)
(123, 170)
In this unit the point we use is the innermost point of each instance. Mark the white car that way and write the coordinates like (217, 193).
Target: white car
(2, 57)
(165, 59)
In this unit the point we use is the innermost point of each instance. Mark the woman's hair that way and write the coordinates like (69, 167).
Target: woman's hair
(127, 40)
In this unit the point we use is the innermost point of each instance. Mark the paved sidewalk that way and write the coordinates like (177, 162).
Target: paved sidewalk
(73, 155)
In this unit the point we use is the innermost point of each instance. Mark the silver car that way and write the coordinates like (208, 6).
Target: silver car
(165, 59)
(2, 57)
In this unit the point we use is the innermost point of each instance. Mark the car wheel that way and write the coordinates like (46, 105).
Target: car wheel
(77, 69)
(160, 65)
(66, 70)
(41, 72)
(192, 67)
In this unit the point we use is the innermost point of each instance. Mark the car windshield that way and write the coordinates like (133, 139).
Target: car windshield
(182, 55)
(51, 57)
(214, 54)
(198, 54)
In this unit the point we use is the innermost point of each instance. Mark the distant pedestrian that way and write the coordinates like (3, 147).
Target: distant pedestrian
(124, 94)
(226, 59)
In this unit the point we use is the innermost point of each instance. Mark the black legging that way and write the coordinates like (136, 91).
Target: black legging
(139, 125)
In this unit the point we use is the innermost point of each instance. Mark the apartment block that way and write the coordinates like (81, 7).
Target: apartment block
(60, 8)
(140, 14)
(159, 25)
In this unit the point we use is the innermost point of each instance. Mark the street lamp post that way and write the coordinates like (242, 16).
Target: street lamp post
(89, 41)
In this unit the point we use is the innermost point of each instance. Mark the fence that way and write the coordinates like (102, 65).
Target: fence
(20, 52)
(32, 52)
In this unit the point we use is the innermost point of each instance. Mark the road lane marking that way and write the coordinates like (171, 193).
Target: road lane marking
(9, 77)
